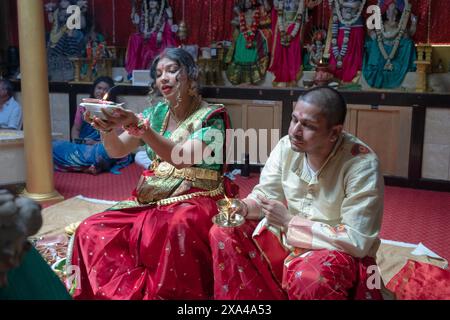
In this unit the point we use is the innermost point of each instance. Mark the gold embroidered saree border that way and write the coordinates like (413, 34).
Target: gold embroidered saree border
(128, 204)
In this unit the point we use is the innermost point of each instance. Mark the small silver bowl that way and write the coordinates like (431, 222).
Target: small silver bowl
(228, 216)
(222, 221)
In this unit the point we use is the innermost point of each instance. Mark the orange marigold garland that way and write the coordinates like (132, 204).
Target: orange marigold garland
(249, 33)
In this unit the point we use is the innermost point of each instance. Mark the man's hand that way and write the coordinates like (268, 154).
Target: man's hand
(276, 213)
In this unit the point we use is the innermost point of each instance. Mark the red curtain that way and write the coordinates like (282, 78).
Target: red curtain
(112, 18)
(209, 20)
(420, 9)
(440, 18)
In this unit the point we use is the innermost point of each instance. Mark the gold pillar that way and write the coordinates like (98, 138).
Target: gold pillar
(76, 68)
(423, 64)
(35, 100)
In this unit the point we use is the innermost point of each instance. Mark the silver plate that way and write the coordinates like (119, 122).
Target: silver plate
(95, 108)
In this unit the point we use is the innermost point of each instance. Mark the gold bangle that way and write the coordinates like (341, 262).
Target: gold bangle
(106, 131)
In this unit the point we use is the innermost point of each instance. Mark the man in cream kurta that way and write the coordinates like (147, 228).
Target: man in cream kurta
(337, 208)
(320, 194)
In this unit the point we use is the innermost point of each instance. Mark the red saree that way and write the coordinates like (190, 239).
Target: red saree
(153, 251)
(421, 281)
(156, 253)
(248, 267)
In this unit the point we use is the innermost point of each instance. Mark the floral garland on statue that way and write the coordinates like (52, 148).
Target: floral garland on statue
(98, 52)
(337, 17)
(157, 22)
(249, 33)
(398, 36)
(286, 38)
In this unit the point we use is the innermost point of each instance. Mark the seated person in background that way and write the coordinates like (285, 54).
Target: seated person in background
(321, 246)
(23, 272)
(10, 110)
(86, 153)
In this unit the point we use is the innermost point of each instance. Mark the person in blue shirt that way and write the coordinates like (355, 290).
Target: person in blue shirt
(10, 110)
(87, 153)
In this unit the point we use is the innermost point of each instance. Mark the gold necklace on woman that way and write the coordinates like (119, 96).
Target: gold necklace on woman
(197, 102)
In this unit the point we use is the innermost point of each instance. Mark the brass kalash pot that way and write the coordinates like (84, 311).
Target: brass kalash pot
(228, 216)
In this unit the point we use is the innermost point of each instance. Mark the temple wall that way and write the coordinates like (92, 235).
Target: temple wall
(436, 153)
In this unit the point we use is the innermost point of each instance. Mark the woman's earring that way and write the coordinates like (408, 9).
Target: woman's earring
(193, 90)
(178, 100)
(151, 95)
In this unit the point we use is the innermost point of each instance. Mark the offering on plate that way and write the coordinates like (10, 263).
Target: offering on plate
(95, 106)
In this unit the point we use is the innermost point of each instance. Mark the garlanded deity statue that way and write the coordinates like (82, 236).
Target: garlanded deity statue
(248, 57)
(155, 32)
(63, 42)
(286, 61)
(390, 52)
(95, 50)
(347, 44)
(315, 49)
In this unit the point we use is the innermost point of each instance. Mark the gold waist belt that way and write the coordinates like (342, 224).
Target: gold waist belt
(165, 169)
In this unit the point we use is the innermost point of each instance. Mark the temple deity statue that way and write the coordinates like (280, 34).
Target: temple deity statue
(248, 57)
(315, 50)
(390, 52)
(286, 60)
(347, 44)
(95, 51)
(64, 43)
(155, 32)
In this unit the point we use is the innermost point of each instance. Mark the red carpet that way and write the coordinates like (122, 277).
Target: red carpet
(418, 216)
(409, 215)
(105, 186)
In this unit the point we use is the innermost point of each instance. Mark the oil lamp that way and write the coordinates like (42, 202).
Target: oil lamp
(228, 215)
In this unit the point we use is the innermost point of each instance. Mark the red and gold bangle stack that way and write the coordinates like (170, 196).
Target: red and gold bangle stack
(139, 128)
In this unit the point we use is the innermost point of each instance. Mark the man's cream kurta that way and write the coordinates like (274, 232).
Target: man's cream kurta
(339, 208)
